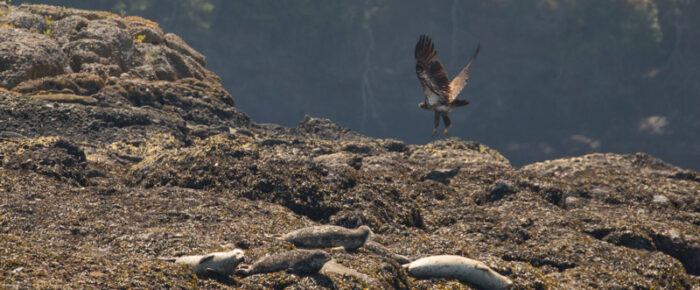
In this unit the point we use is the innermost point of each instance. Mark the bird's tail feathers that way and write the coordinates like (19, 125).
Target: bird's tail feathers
(459, 102)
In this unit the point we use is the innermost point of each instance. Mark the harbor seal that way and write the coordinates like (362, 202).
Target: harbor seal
(296, 261)
(329, 236)
(461, 268)
(380, 249)
(334, 267)
(218, 263)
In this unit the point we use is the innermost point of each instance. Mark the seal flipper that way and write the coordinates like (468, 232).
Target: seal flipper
(482, 267)
(212, 273)
(243, 270)
(206, 258)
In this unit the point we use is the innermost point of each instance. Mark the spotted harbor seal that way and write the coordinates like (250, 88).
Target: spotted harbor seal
(219, 263)
(297, 261)
(461, 268)
(329, 236)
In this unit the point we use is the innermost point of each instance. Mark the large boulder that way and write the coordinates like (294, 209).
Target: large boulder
(89, 58)
(26, 55)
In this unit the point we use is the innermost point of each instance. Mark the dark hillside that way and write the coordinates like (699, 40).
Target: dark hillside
(555, 78)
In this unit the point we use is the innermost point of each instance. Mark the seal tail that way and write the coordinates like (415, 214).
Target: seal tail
(274, 236)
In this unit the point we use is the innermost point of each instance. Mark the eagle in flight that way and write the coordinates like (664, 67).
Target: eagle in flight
(440, 93)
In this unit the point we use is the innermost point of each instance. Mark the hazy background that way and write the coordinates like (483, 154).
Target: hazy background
(554, 77)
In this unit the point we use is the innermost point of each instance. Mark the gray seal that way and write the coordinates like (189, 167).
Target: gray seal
(333, 267)
(329, 236)
(219, 263)
(296, 261)
(461, 268)
(380, 249)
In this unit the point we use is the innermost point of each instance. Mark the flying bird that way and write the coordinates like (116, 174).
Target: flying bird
(440, 93)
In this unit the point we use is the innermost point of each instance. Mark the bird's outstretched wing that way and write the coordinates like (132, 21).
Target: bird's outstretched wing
(460, 81)
(429, 70)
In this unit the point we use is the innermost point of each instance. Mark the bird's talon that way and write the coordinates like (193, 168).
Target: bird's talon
(434, 132)
(444, 132)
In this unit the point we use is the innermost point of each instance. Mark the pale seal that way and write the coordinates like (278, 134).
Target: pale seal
(297, 261)
(219, 263)
(329, 236)
(461, 268)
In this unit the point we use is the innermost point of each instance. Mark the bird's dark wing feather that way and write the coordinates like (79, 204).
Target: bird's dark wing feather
(430, 71)
(460, 81)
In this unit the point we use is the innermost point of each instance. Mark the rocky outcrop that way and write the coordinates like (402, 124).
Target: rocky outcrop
(25, 55)
(63, 53)
(117, 146)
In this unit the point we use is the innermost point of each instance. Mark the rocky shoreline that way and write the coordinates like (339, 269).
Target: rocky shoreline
(118, 146)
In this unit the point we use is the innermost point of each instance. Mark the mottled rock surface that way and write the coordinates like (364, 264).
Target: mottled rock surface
(118, 146)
